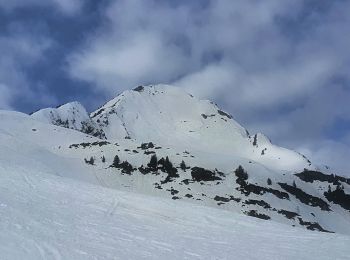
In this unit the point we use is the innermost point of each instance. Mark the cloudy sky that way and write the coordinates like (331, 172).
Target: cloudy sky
(279, 67)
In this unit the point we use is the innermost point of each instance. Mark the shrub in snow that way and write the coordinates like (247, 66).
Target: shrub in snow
(91, 161)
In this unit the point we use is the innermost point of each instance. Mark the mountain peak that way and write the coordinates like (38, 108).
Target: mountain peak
(175, 112)
(168, 115)
(72, 115)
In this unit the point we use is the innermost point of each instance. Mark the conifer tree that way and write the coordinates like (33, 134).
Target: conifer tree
(183, 165)
(116, 161)
(269, 182)
(241, 173)
(255, 142)
(153, 163)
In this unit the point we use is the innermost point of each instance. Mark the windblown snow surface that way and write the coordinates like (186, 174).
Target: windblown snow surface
(62, 196)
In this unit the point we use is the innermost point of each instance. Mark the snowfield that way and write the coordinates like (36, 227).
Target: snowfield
(49, 217)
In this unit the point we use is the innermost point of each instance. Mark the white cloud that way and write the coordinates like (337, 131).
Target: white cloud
(256, 90)
(118, 64)
(69, 6)
(149, 42)
(211, 80)
(5, 97)
(65, 6)
(330, 153)
(19, 50)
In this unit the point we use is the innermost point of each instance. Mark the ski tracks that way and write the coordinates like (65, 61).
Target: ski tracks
(112, 208)
(47, 251)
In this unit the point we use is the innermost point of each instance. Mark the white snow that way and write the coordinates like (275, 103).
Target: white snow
(48, 217)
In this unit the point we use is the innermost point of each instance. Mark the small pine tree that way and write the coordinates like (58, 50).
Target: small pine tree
(255, 142)
(169, 168)
(116, 161)
(153, 163)
(269, 182)
(168, 165)
(103, 159)
(183, 165)
(294, 184)
(241, 173)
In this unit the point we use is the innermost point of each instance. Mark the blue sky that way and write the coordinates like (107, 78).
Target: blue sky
(280, 67)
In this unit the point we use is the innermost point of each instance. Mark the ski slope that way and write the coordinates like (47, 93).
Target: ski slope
(50, 217)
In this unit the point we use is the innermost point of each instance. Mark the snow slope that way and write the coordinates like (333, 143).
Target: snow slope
(44, 216)
(34, 145)
(307, 206)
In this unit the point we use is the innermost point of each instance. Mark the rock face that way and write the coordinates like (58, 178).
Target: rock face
(71, 115)
(163, 141)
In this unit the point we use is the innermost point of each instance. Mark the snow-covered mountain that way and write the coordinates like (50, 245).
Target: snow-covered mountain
(71, 115)
(163, 142)
(169, 116)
